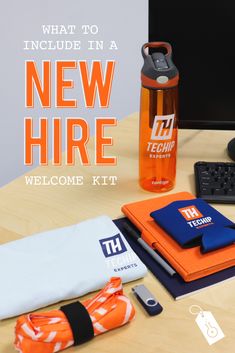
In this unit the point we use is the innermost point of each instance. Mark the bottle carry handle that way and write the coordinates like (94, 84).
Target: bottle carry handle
(164, 45)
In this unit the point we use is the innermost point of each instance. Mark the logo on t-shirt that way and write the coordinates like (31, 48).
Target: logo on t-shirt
(113, 245)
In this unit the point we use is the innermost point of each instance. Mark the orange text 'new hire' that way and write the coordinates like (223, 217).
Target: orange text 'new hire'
(94, 84)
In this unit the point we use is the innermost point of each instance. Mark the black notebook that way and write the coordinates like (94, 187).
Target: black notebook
(175, 285)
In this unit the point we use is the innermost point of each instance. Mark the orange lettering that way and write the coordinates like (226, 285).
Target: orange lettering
(64, 84)
(57, 142)
(97, 81)
(31, 141)
(32, 79)
(79, 144)
(102, 141)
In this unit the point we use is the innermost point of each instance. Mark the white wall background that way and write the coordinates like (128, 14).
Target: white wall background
(126, 22)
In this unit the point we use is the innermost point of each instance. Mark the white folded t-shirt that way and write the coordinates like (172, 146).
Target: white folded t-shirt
(64, 263)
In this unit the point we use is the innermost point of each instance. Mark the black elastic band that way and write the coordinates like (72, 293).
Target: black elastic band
(80, 322)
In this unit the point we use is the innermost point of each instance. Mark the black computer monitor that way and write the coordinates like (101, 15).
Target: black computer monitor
(202, 34)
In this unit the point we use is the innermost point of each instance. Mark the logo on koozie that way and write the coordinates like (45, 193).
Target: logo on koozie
(195, 218)
(113, 245)
(190, 213)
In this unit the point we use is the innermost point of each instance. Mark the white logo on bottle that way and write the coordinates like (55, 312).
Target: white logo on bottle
(162, 127)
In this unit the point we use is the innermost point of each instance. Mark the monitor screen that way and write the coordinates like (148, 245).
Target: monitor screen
(202, 34)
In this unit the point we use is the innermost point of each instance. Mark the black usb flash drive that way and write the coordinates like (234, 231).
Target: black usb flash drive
(147, 300)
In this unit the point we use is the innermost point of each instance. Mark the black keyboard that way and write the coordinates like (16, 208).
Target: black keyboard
(215, 182)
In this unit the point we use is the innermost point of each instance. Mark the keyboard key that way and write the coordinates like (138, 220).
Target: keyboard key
(206, 191)
(205, 173)
(202, 167)
(218, 192)
(205, 184)
(206, 179)
(231, 192)
(216, 185)
(227, 186)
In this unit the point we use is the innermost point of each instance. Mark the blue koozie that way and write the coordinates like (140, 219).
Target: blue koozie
(195, 223)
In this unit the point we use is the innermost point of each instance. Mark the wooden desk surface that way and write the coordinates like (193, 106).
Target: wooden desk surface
(25, 210)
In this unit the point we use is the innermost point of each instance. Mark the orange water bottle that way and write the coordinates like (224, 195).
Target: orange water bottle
(158, 118)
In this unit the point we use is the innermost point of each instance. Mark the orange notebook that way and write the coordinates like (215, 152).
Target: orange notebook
(190, 263)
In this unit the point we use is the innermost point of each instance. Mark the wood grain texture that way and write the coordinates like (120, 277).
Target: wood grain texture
(25, 210)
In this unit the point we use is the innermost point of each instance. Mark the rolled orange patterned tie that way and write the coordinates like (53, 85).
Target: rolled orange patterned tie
(50, 332)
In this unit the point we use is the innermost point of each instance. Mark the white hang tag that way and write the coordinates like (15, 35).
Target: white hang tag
(209, 327)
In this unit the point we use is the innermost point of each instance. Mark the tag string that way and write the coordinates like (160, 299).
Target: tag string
(196, 310)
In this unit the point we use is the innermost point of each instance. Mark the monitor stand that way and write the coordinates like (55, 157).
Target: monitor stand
(231, 149)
